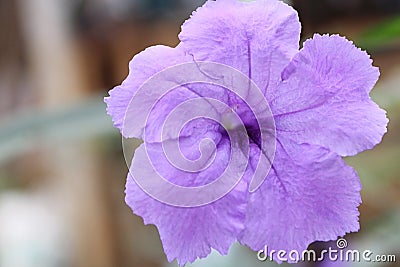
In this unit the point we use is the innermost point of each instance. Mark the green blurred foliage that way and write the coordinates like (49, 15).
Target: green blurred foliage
(380, 35)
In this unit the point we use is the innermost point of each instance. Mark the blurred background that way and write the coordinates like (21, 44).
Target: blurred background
(62, 171)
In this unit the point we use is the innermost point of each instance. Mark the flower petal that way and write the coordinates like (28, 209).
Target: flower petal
(190, 233)
(324, 97)
(142, 67)
(257, 38)
(310, 194)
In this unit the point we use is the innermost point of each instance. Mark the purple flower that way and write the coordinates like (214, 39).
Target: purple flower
(318, 110)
